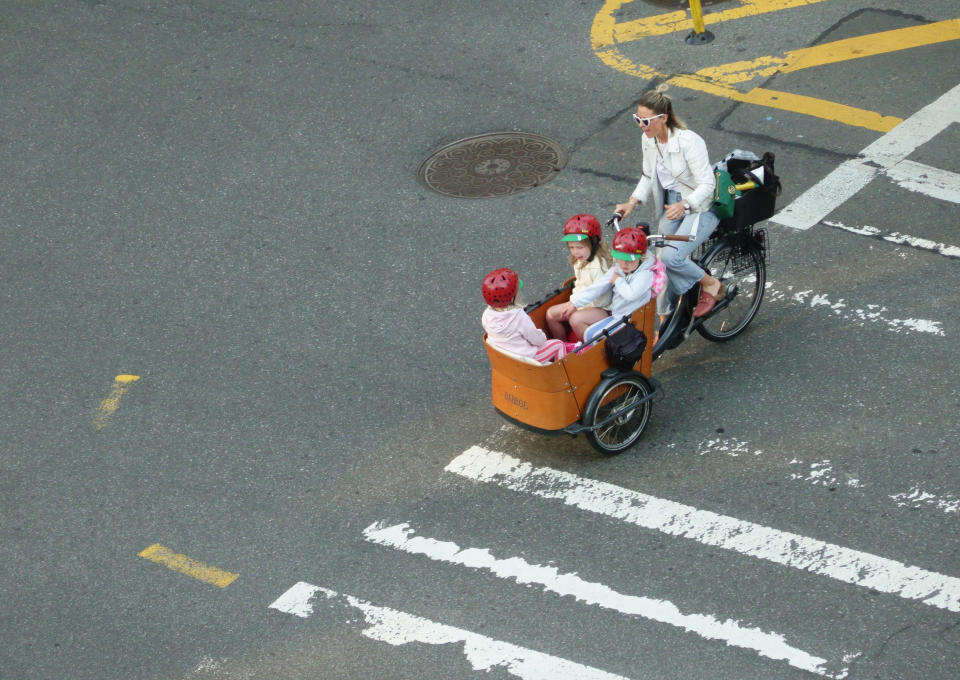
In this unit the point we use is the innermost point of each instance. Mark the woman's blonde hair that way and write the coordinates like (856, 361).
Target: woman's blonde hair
(657, 101)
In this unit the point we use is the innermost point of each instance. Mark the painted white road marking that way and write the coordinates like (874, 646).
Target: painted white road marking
(728, 447)
(925, 179)
(826, 195)
(902, 239)
(917, 498)
(298, 600)
(710, 528)
(821, 473)
(886, 154)
(872, 313)
(399, 628)
(770, 645)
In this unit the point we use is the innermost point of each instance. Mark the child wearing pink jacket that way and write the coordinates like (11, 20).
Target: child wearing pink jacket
(510, 328)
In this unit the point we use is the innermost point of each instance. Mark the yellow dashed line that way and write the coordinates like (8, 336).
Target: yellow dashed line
(186, 565)
(120, 385)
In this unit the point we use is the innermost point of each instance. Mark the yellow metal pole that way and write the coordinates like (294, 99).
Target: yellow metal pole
(700, 35)
(696, 11)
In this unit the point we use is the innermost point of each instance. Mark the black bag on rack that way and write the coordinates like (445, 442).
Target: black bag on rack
(754, 205)
(760, 171)
(625, 346)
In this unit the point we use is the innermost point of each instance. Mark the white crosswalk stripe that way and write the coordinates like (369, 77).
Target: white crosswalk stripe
(767, 644)
(925, 179)
(399, 628)
(709, 528)
(811, 555)
(887, 155)
(485, 653)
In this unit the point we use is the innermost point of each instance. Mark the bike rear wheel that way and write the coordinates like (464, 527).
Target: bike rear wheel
(618, 409)
(741, 267)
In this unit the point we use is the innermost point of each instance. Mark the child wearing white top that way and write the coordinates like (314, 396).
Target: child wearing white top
(591, 260)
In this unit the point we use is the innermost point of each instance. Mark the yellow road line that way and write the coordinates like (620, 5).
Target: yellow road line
(833, 52)
(672, 22)
(795, 103)
(120, 385)
(606, 34)
(186, 565)
(615, 60)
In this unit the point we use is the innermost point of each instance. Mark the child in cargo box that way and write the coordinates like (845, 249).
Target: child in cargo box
(590, 257)
(634, 279)
(510, 328)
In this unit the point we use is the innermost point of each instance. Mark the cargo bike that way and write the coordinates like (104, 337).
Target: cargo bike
(582, 393)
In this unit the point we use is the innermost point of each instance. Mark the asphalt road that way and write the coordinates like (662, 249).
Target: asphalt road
(221, 199)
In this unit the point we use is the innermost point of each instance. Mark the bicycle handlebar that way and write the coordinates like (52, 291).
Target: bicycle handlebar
(653, 239)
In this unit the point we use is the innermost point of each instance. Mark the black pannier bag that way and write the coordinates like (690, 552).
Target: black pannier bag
(757, 204)
(625, 346)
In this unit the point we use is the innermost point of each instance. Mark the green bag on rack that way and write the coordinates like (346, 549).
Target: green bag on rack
(724, 195)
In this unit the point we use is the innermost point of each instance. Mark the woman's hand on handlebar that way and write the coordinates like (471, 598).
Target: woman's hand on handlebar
(624, 209)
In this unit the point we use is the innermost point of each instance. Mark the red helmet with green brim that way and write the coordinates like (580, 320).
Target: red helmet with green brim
(629, 244)
(581, 227)
(500, 287)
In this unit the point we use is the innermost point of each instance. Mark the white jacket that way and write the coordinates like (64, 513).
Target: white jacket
(686, 158)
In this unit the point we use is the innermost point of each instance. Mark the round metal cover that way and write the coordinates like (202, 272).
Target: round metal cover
(494, 164)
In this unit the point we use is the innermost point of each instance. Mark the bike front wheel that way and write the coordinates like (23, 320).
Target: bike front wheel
(740, 267)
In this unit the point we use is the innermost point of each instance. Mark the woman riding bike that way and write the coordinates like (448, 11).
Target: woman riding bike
(677, 173)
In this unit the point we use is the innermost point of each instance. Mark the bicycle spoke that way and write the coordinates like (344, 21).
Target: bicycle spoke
(742, 271)
(627, 413)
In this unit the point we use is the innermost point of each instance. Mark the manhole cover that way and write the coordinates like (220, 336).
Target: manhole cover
(494, 164)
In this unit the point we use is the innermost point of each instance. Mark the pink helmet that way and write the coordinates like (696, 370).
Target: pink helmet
(500, 287)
